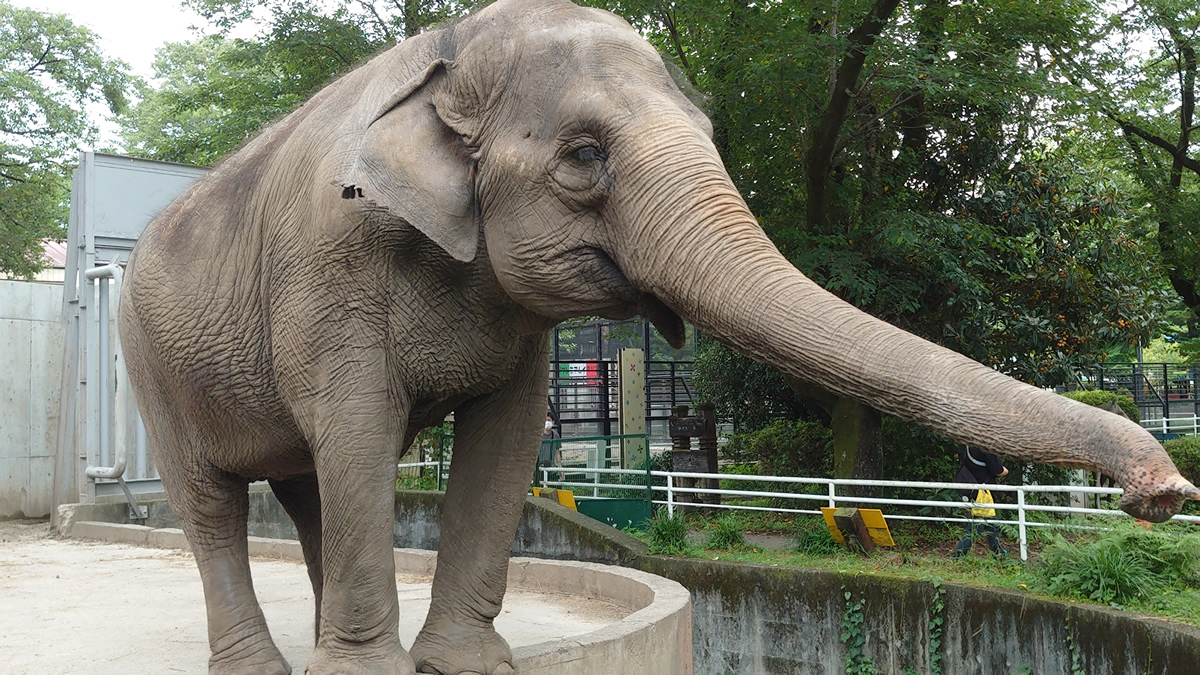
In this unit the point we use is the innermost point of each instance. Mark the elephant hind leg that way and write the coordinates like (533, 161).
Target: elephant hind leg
(301, 499)
(212, 507)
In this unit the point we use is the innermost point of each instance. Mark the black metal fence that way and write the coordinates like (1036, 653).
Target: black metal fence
(1159, 389)
(584, 395)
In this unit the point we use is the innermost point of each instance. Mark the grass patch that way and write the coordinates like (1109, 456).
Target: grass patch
(1155, 570)
(813, 538)
(726, 535)
(667, 534)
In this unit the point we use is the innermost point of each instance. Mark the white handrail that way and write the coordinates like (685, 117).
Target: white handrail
(830, 497)
(1174, 425)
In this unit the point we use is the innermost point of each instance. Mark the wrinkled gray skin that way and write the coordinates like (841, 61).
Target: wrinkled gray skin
(399, 247)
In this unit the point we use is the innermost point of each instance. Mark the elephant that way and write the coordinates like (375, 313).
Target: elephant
(400, 246)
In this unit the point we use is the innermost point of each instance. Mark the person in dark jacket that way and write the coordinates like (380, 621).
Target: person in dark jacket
(978, 467)
(551, 452)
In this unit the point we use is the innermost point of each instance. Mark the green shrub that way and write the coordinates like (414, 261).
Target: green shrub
(1033, 473)
(426, 482)
(1129, 561)
(787, 448)
(667, 534)
(912, 452)
(1098, 398)
(659, 462)
(1103, 572)
(813, 538)
(1185, 452)
(1173, 557)
(726, 535)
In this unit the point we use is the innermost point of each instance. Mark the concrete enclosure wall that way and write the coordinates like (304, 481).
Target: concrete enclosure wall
(31, 364)
(762, 620)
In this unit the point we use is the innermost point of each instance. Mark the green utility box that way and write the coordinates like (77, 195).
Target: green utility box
(620, 513)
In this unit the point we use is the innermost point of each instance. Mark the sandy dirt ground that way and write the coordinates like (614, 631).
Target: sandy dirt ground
(71, 606)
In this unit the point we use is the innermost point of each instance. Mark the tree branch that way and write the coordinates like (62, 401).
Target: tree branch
(41, 58)
(319, 45)
(826, 136)
(387, 32)
(1131, 128)
(668, 19)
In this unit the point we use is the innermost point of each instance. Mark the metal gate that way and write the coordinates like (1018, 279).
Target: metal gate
(102, 443)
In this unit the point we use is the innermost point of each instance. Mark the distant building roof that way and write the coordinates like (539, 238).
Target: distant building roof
(55, 252)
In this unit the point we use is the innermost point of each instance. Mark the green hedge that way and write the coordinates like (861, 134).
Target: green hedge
(786, 448)
(1099, 398)
(1185, 452)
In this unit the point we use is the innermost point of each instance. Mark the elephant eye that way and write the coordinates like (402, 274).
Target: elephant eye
(589, 154)
(583, 175)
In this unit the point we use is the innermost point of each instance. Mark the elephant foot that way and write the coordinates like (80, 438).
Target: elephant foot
(462, 650)
(335, 657)
(265, 661)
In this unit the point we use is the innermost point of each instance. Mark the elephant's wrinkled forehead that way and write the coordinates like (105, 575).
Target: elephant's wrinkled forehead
(590, 44)
(581, 46)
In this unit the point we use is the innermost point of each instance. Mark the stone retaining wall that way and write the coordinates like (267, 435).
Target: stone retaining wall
(755, 619)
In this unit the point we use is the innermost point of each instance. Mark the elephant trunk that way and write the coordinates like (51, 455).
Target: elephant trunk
(700, 251)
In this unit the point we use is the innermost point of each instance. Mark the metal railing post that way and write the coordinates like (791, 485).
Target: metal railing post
(832, 495)
(670, 495)
(1021, 524)
(441, 459)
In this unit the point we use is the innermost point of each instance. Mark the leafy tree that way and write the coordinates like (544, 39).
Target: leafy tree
(216, 92)
(1137, 81)
(918, 168)
(50, 71)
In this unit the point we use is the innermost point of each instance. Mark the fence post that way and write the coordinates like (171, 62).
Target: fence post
(596, 484)
(832, 495)
(670, 495)
(441, 458)
(1166, 392)
(1021, 524)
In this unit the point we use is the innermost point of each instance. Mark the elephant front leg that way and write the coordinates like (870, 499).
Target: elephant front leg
(359, 614)
(496, 441)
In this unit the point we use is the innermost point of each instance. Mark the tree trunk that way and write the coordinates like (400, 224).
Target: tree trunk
(857, 431)
(857, 440)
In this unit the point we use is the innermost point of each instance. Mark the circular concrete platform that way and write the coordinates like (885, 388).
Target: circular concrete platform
(73, 606)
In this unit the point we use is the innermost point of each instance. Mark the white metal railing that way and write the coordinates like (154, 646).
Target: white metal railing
(830, 497)
(1184, 426)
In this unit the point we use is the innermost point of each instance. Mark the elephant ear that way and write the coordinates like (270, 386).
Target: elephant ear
(412, 165)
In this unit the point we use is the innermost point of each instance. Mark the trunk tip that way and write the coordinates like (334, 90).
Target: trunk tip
(1159, 502)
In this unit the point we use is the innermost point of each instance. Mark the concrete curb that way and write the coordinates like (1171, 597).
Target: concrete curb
(656, 637)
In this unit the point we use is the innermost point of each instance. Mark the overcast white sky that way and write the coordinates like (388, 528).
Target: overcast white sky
(130, 30)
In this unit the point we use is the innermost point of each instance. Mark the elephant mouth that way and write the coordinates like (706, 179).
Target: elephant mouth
(665, 320)
(630, 300)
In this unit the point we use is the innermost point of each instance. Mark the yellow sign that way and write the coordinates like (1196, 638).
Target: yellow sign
(564, 497)
(877, 527)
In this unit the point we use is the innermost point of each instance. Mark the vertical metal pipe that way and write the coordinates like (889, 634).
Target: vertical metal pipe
(606, 398)
(832, 495)
(1166, 390)
(441, 459)
(103, 359)
(143, 466)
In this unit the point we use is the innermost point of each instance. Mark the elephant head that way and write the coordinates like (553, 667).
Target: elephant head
(561, 144)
